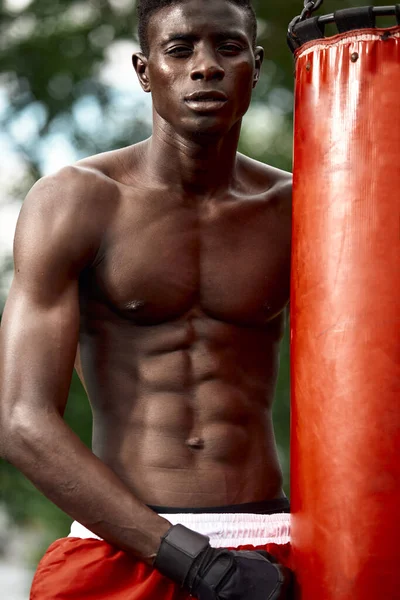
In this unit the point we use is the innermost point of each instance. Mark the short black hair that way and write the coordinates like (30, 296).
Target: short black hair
(146, 8)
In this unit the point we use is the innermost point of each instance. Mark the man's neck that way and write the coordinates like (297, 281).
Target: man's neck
(197, 166)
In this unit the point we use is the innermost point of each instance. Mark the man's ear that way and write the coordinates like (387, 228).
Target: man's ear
(259, 56)
(140, 63)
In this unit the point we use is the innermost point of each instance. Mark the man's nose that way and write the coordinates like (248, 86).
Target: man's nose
(207, 68)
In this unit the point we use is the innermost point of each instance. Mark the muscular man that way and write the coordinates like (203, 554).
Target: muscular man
(162, 272)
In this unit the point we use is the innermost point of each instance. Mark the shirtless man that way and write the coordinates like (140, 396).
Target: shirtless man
(167, 265)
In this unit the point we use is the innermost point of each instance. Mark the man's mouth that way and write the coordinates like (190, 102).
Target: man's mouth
(206, 101)
(207, 96)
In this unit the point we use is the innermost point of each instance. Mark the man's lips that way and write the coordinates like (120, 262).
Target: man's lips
(206, 101)
(207, 96)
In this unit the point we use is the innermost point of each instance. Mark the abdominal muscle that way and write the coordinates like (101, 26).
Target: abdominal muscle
(190, 427)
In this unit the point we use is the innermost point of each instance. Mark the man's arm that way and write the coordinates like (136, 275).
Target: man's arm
(58, 235)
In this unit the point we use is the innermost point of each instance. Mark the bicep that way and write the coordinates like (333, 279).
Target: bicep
(38, 348)
(40, 325)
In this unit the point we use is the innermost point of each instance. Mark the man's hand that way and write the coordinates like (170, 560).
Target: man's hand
(187, 558)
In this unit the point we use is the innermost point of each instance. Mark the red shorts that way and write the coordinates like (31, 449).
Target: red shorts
(87, 568)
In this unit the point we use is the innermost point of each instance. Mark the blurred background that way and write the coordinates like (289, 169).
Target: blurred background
(68, 90)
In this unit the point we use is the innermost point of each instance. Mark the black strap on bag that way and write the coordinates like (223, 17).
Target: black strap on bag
(350, 19)
(305, 28)
(308, 30)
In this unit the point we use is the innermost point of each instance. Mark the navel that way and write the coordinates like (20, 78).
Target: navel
(195, 443)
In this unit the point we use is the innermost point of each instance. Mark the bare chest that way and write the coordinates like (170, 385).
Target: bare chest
(232, 261)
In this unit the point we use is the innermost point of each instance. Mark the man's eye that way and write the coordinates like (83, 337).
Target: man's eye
(180, 51)
(230, 48)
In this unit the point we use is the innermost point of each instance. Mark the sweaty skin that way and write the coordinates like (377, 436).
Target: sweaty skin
(162, 272)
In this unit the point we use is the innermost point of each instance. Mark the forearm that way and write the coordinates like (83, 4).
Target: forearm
(70, 475)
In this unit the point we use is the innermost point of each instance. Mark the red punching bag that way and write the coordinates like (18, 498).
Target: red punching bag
(345, 480)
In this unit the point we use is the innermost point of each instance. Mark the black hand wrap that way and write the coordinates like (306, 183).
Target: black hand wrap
(187, 558)
(179, 550)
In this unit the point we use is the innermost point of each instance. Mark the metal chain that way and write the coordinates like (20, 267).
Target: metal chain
(310, 6)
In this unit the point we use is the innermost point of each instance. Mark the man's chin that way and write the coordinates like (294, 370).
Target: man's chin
(207, 126)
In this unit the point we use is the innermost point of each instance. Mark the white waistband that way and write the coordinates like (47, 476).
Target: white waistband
(225, 529)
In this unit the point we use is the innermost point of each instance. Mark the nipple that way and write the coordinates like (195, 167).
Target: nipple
(134, 305)
(196, 443)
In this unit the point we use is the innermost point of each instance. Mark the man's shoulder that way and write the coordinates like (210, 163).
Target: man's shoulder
(117, 166)
(265, 179)
(87, 188)
(75, 202)
(70, 186)
(93, 175)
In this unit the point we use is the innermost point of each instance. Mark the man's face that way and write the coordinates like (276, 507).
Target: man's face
(201, 67)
